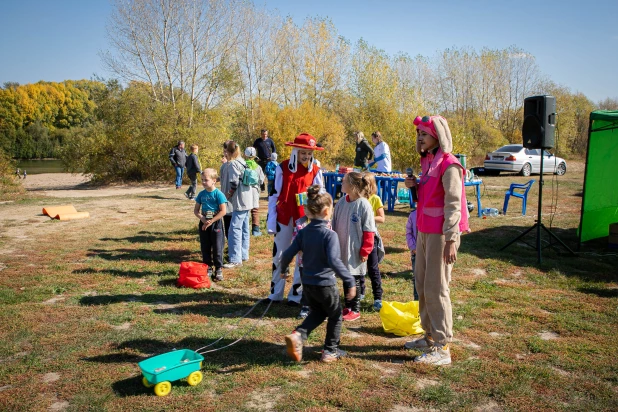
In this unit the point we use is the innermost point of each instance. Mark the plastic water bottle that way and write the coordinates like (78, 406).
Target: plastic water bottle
(490, 211)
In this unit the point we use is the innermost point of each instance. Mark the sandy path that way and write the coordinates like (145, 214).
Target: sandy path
(66, 185)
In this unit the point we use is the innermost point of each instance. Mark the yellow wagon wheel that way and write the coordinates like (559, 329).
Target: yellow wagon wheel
(163, 388)
(146, 383)
(194, 378)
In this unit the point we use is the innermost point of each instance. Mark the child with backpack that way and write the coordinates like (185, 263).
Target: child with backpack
(320, 266)
(240, 195)
(270, 168)
(255, 178)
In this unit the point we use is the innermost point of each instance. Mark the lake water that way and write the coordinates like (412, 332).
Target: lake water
(33, 167)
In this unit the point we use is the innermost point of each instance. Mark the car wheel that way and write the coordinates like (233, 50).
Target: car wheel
(561, 169)
(526, 170)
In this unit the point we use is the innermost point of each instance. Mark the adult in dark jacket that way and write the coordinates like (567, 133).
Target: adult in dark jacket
(265, 147)
(364, 152)
(178, 157)
(193, 170)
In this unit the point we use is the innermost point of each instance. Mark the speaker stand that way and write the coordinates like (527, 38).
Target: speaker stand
(539, 224)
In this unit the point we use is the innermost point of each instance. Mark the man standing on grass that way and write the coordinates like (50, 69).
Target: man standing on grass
(178, 158)
(264, 147)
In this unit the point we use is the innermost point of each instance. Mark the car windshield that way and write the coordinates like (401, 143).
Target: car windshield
(510, 148)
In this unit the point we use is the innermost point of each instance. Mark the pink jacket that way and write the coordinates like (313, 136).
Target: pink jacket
(433, 209)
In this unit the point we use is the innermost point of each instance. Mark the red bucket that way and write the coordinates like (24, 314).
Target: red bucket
(193, 275)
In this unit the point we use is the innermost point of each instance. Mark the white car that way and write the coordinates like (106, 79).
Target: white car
(517, 159)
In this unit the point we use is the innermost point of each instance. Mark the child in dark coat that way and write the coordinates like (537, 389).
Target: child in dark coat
(321, 261)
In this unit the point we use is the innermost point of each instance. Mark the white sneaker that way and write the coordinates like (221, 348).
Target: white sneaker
(438, 355)
(232, 265)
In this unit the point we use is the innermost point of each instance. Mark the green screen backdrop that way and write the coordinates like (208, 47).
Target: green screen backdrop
(600, 197)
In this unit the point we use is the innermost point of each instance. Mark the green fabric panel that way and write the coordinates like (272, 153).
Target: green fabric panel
(600, 203)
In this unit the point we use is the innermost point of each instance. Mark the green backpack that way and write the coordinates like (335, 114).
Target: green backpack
(250, 176)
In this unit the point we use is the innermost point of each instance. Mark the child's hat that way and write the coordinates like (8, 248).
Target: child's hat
(304, 141)
(250, 152)
(273, 156)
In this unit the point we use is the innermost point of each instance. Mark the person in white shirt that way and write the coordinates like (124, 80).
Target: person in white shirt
(382, 154)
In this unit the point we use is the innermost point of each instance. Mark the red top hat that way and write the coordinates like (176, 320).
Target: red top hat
(304, 141)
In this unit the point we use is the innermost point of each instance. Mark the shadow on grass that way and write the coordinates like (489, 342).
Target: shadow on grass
(595, 264)
(126, 273)
(404, 274)
(600, 292)
(205, 302)
(159, 197)
(150, 237)
(392, 249)
(160, 256)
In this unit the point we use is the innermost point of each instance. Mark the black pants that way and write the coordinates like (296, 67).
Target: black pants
(373, 270)
(211, 243)
(193, 186)
(414, 279)
(324, 304)
(227, 220)
(354, 303)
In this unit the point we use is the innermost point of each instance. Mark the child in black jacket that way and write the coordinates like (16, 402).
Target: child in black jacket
(321, 261)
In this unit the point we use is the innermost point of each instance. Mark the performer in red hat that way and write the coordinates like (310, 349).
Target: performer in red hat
(286, 210)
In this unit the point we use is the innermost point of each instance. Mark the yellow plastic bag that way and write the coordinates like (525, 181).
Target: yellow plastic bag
(402, 319)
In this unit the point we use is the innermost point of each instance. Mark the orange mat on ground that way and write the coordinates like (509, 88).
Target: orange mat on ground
(65, 212)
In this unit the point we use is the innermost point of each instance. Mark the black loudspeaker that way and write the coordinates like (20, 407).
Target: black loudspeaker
(539, 122)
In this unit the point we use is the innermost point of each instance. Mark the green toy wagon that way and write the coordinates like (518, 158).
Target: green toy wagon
(159, 371)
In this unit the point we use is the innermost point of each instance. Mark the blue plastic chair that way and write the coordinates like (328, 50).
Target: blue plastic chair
(523, 196)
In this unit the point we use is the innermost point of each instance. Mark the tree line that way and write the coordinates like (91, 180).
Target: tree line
(208, 70)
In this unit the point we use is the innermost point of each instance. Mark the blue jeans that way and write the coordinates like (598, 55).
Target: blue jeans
(179, 172)
(238, 237)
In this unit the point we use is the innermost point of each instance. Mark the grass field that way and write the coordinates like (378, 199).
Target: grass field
(84, 301)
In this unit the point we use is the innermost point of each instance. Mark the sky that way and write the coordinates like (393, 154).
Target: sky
(575, 42)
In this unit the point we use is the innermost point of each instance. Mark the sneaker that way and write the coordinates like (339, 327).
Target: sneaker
(328, 356)
(419, 344)
(438, 355)
(294, 346)
(187, 195)
(293, 304)
(218, 275)
(210, 272)
(351, 315)
(256, 231)
(232, 265)
(304, 312)
(377, 305)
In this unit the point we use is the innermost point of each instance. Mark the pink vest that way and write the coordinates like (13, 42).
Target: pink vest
(430, 209)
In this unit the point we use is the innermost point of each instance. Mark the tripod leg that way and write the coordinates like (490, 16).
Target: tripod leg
(558, 239)
(519, 237)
